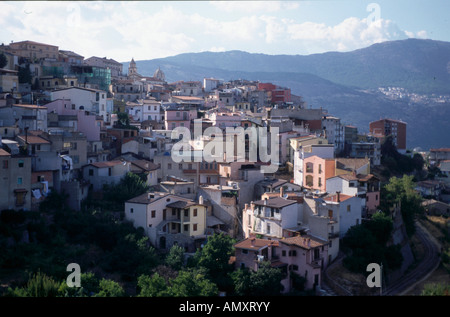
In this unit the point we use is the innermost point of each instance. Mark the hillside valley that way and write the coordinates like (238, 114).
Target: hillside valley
(353, 85)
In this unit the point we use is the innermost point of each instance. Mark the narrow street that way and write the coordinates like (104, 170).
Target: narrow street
(429, 263)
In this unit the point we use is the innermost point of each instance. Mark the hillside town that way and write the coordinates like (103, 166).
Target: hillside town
(77, 125)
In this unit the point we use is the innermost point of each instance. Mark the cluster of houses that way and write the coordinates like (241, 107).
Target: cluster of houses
(60, 131)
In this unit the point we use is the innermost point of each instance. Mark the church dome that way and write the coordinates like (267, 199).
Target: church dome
(159, 74)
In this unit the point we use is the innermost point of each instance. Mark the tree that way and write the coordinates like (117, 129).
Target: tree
(3, 60)
(38, 285)
(215, 257)
(131, 185)
(266, 281)
(109, 288)
(241, 282)
(192, 283)
(24, 75)
(380, 226)
(175, 258)
(89, 286)
(436, 289)
(401, 190)
(154, 286)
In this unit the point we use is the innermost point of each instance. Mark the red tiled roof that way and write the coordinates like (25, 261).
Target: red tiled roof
(106, 164)
(255, 244)
(33, 139)
(29, 106)
(305, 242)
(4, 153)
(440, 150)
(333, 197)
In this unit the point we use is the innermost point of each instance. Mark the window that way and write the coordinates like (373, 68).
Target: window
(169, 166)
(131, 210)
(194, 227)
(320, 168)
(316, 254)
(283, 253)
(20, 198)
(5, 164)
(349, 208)
(19, 180)
(153, 213)
(180, 166)
(91, 172)
(244, 251)
(73, 145)
(195, 212)
(268, 228)
(186, 212)
(21, 163)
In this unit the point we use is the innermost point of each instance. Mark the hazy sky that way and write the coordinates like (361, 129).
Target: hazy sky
(153, 29)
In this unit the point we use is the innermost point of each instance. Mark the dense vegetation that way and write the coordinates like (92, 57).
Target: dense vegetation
(368, 243)
(115, 258)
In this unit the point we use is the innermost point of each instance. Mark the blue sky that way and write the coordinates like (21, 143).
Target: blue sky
(154, 29)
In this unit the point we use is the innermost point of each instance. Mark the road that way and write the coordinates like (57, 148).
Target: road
(429, 263)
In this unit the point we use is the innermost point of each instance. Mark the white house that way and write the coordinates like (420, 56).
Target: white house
(270, 217)
(334, 131)
(102, 173)
(348, 208)
(92, 100)
(167, 219)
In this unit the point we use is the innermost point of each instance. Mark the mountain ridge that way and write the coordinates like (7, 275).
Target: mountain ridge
(344, 83)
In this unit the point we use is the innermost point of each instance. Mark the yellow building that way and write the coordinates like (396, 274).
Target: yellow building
(34, 50)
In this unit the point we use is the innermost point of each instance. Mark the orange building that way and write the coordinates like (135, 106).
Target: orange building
(316, 171)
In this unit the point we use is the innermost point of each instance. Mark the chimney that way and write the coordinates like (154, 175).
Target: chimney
(308, 242)
(200, 200)
(338, 197)
(252, 240)
(265, 201)
(281, 192)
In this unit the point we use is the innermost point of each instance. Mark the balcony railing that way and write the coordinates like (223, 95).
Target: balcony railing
(333, 235)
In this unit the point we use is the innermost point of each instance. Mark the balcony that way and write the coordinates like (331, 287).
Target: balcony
(333, 235)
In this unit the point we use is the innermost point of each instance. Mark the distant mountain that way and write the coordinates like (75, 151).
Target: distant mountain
(343, 83)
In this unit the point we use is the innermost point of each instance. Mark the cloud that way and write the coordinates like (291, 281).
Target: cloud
(253, 6)
(352, 33)
(145, 30)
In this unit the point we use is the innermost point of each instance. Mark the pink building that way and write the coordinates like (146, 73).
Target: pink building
(175, 117)
(305, 256)
(87, 123)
